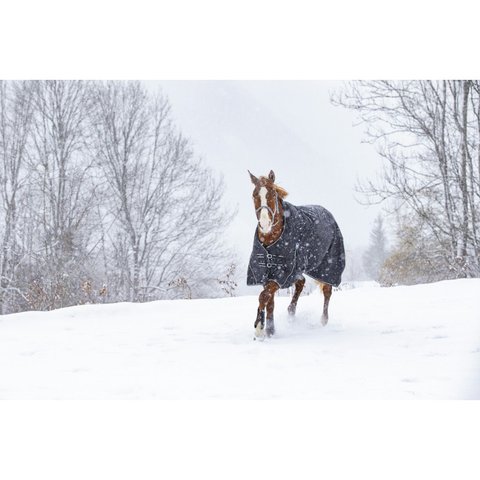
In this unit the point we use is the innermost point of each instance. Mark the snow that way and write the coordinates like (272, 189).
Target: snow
(417, 342)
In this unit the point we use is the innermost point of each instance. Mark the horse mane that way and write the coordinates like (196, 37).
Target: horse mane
(282, 193)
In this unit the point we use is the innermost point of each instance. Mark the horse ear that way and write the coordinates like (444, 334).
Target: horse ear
(271, 176)
(253, 178)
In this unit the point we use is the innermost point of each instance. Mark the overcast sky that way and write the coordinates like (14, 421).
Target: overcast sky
(288, 126)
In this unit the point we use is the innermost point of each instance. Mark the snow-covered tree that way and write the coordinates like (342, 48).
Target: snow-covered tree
(61, 189)
(166, 214)
(428, 133)
(16, 107)
(103, 199)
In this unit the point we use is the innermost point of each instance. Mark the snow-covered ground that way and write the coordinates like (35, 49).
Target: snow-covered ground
(403, 342)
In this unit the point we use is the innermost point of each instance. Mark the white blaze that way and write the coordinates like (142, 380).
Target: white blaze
(264, 221)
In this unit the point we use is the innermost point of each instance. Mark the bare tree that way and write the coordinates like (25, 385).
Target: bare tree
(166, 206)
(61, 189)
(103, 199)
(428, 133)
(15, 123)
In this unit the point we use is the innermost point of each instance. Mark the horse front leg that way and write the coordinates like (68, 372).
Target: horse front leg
(266, 300)
(299, 284)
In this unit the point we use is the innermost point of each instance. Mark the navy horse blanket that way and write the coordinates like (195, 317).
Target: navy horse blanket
(311, 243)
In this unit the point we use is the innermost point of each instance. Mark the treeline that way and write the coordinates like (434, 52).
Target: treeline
(428, 133)
(103, 199)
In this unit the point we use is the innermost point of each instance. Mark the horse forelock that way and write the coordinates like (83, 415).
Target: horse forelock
(264, 181)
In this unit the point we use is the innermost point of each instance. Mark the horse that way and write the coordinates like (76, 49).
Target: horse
(291, 241)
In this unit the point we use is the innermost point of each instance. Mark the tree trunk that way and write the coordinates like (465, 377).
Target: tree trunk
(463, 181)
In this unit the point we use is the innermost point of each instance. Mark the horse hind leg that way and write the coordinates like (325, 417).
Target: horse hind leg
(327, 293)
(299, 284)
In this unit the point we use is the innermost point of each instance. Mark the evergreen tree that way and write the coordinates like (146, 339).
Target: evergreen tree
(376, 253)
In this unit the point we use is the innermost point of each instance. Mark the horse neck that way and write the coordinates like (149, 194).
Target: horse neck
(277, 229)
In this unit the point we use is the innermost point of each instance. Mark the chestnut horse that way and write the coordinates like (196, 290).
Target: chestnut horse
(290, 241)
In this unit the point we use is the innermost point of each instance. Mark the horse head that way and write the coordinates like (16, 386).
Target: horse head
(267, 200)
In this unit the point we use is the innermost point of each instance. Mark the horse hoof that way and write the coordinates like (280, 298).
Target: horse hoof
(270, 327)
(324, 320)
(292, 309)
(270, 332)
(259, 332)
